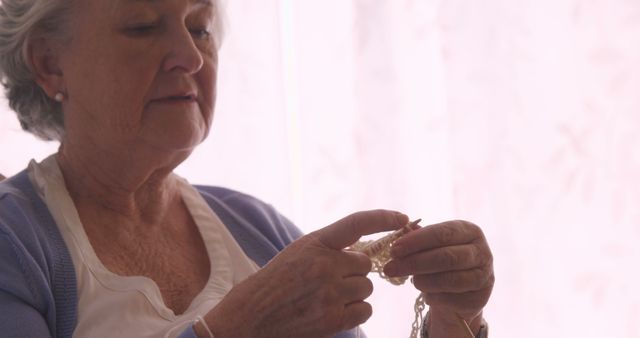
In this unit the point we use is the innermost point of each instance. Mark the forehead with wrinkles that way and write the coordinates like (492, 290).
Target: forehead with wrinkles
(120, 5)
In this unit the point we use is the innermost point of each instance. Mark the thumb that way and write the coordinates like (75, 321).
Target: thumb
(348, 230)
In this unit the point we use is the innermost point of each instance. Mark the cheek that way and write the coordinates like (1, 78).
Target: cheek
(123, 86)
(208, 86)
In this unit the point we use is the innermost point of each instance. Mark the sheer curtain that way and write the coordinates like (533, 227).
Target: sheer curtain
(521, 116)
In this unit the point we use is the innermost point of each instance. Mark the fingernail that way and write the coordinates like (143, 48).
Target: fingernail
(401, 218)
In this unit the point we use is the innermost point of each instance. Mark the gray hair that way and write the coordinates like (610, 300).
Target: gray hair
(21, 21)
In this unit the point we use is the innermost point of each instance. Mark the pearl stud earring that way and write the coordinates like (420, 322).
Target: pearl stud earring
(59, 97)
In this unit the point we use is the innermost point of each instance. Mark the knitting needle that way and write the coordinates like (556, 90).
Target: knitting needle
(377, 246)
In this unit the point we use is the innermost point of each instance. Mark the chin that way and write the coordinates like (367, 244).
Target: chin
(173, 141)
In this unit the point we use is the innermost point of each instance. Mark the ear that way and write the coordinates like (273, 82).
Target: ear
(44, 60)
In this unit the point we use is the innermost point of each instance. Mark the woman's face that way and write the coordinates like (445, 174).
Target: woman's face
(140, 73)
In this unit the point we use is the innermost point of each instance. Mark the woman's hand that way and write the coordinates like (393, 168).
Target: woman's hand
(452, 265)
(311, 289)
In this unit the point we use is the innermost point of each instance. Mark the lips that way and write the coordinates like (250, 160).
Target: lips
(180, 97)
(176, 98)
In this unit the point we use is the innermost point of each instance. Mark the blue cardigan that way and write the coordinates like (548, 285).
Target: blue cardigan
(38, 296)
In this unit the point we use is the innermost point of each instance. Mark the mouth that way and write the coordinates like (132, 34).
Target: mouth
(181, 98)
(187, 97)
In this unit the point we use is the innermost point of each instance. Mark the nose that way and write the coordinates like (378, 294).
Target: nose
(183, 54)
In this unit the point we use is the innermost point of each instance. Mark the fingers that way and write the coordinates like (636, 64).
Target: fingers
(456, 281)
(453, 258)
(356, 311)
(451, 264)
(355, 264)
(356, 289)
(356, 314)
(436, 236)
(348, 230)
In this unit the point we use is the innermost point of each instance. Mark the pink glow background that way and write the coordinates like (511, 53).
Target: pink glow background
(522, 116)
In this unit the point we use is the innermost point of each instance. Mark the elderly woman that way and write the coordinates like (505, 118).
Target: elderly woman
(101, 239)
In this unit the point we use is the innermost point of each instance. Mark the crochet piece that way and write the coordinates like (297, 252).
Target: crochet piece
(380, 253)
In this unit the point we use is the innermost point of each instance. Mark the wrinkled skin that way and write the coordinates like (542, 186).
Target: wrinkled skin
(315, 289)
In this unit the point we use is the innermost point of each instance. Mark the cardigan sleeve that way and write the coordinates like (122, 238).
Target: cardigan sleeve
(21, 309)
(19, 319)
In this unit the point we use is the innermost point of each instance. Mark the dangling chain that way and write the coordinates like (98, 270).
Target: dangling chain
(418, 307)
(380, 253)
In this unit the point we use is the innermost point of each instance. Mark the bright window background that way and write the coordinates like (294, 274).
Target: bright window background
(522, 116)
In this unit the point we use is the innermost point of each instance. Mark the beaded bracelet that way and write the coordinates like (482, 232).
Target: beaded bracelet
(200, 320)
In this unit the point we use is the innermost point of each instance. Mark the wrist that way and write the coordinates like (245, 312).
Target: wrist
(201, 329)
(221, 325)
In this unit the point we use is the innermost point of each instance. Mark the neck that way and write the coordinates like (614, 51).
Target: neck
(119, 184)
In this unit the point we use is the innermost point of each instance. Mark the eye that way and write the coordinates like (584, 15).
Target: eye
(141, 29)
(200, 33)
